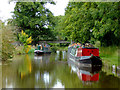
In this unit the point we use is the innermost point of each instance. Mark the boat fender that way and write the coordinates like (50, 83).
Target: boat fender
(41, 47)
(91, 54)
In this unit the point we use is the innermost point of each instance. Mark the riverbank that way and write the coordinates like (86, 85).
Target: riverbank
(62, 48)
(19, 50)
(109, 55)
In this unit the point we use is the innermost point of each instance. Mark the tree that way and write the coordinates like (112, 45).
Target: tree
(76, 25)
(106, 27)
(58, 27)
(0, 40)
(36, 20)
(85, 21)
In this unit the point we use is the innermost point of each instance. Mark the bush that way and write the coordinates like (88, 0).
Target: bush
(31, 50)
(26, 40)
(19, 50)
(53, 49)
(97, 44)
(7, 40)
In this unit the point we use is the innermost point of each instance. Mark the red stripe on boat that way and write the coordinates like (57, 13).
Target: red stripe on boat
(87, 52)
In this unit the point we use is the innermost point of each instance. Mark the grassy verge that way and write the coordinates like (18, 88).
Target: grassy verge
(59, 46)
(62, 48)
(109, 55)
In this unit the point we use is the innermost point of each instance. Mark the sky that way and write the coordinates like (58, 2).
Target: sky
(6, 8)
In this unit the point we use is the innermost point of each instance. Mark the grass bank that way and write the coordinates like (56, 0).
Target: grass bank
(109, 55)
(62, 48)
(59, 46)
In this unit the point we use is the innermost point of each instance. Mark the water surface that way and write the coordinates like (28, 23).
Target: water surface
(54, 71)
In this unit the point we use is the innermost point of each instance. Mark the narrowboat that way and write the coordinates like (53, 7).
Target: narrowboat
(41, 49)
(84, 54)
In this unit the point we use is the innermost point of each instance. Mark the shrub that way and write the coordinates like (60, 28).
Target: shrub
(31, 50)
(53, 49)
(7, 40)
(26, 40)
(97, 44)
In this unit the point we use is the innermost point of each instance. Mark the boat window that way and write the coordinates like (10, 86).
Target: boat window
(73, 51)
(76, 52)
(45, 49)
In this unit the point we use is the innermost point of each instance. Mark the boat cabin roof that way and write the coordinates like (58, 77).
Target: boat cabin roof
(86, 45)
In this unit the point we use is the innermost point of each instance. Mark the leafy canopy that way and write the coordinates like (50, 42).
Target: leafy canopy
(86, 21)
(35, 19)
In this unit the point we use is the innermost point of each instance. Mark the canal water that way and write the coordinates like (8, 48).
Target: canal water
(55, 71)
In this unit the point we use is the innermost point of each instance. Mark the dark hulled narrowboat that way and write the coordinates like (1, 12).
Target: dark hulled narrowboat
(42, 50)
(82, 54)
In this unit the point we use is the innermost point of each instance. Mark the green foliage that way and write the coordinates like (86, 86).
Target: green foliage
(106, 24)
(84, 21)
(35, 19)
(109, 55)
(31, 50)
(76, 22)
(53, 44)
(59, 27)
(97, 44)
(23, 37)
(65, 48)
(19, 50)
(53, 49)
(7, 38)
(0, 40)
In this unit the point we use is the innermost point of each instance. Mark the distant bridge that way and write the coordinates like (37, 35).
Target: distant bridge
(61, 41)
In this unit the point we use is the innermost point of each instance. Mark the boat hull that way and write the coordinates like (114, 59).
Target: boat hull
(92, 60)
(85, 66)
(39, 52)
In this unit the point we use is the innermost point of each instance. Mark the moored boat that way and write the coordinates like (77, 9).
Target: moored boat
(42, 50)
(84, 54)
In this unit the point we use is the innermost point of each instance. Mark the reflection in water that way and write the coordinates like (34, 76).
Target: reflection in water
(46, 77)
(38, 57)
(61, 56)
(64, 54)
(118, 72)
(85, 73)
(86, 76)
(46, 72)
(58, 84)
(0, 75)
(57, 56)
(39, 60)
(9, 86)
(25, 68)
